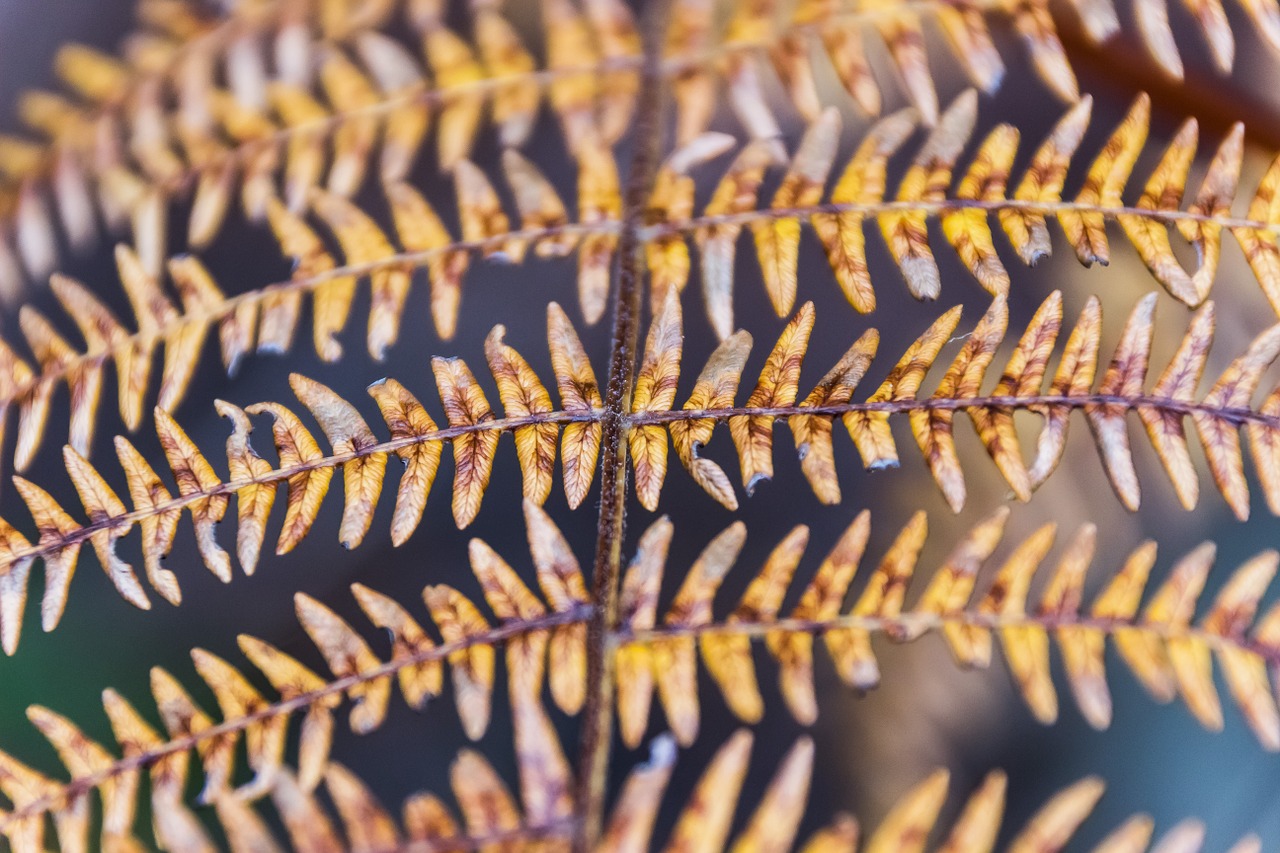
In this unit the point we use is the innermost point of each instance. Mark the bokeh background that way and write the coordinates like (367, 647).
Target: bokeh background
(871, 748)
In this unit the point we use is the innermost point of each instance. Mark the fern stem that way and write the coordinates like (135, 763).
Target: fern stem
(1031, 402)
(938, 208)
(597, 720)
(914, 625)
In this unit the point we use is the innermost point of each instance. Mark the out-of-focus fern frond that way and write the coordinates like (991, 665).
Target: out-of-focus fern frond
(207, 111)
(542, 813)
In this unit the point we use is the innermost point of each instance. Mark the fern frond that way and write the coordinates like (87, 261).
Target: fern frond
(538, 634)
(473, 430)
(864, 194)
(268, 318)
(705, 820)
(773, 822)
(1166, 648)
(543, 815)
(1217, 416)
(545, 638)
(325, 125)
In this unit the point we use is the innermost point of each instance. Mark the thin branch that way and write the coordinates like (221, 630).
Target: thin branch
(1033, 403)
(913, 625)
(939, 208)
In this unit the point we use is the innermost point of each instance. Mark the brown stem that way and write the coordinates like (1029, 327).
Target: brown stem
(914, 624)
(941, 208)
(597, 721)
(1034, 402)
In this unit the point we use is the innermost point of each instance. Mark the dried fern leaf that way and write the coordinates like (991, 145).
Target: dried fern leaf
(200, 113)
(1218, 417)
(543, 814)
(268, 318)
(539, 635)
(1166, 647)
(307, 470)
(474, 429)
(984, 188)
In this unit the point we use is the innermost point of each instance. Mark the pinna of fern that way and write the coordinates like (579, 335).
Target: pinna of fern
(859, 198)
(1217, 417)
(473, 431)
(1167, 648)
(538, 426)
(321, 115)
(704, 821)
(268, 318)
(120, 133)
(543, 814)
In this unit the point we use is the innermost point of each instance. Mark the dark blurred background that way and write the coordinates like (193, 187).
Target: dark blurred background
(927, 713)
